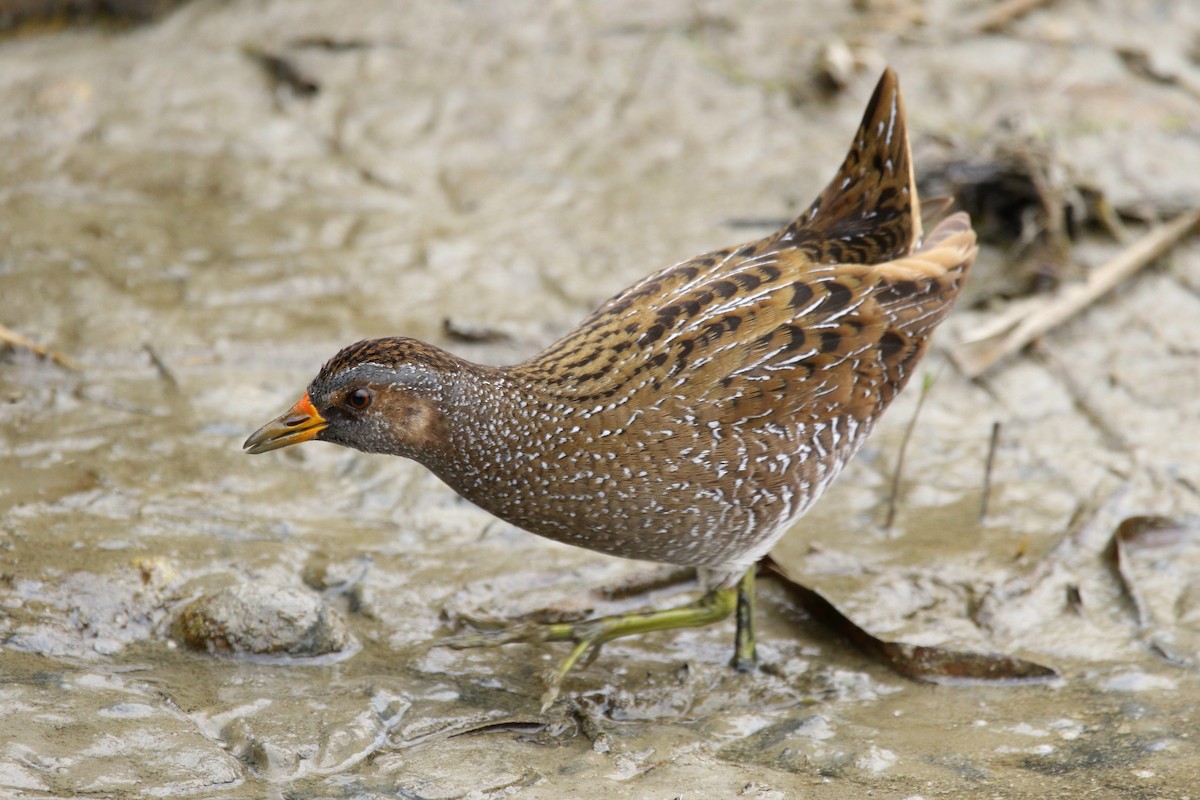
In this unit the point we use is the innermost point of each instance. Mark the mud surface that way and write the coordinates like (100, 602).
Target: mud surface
(199, 212)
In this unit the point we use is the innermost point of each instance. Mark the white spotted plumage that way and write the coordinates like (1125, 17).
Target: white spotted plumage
(696, 415)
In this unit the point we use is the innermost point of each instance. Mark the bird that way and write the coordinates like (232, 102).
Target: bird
(692, 418)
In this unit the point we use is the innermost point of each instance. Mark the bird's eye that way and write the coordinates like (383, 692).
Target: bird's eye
(359, 399)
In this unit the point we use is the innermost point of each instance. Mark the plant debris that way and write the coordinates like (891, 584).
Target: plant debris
(472, 332)
(17, 13)
(14, 339)
(1002, 14)
(1150, 556)
(1012, 331)
(933, 664)
(283, 73)
(1021, 197)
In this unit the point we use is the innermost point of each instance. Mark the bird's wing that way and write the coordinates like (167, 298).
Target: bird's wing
(841, 340)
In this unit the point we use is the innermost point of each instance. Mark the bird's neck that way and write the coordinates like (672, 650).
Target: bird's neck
(500, 433)
(489, 419)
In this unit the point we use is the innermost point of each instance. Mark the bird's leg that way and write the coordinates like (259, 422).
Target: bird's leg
(590, 634)
(745, 658)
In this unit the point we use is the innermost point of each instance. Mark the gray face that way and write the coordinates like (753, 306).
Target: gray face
(378, 407)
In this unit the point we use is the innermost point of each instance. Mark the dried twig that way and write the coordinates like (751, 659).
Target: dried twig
(1141, 63)
(1004, 13)
(472, 332)
(9, 336)
(976, 354)
(893, 499)
(281, 71)
(987, 471)
(164, 371)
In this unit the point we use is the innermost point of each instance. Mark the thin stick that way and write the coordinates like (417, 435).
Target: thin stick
(9, 336)
(975, 355)
(1004, 13)
(893, 500)
(987, 471)
(164, 371)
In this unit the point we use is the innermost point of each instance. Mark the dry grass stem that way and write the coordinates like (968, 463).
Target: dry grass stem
(11, 337)
(987, 471)
(977, 353)
(893, 498)
(1003, 13)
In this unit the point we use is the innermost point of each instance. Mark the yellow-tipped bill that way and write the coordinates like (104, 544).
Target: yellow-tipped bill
(299, 424)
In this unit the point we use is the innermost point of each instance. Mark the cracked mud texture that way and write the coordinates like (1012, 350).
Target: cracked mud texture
(201, 210)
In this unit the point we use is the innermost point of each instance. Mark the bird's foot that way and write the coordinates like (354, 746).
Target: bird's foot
(590, 635)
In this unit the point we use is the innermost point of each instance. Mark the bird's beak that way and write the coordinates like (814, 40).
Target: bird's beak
(299, 424)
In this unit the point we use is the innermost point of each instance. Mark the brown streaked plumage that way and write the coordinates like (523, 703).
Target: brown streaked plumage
(694, 416)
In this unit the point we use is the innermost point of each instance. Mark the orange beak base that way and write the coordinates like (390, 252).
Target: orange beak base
(299, 424)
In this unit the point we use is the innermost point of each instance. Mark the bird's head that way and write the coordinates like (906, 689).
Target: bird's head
(378, 396)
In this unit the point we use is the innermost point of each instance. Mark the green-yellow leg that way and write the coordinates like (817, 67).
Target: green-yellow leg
(745, 657)
(591, 634)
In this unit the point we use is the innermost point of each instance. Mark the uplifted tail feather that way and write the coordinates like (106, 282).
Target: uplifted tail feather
(949, 248)
(869, 212)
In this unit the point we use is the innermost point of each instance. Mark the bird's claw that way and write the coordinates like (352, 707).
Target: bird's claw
(588, 636)
(492, 637)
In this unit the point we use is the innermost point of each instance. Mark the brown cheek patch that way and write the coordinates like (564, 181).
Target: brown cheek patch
(422, 424)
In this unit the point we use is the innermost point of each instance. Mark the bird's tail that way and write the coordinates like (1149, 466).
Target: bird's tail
(869, 212)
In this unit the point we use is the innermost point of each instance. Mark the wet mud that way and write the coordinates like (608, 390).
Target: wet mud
(195, 213)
